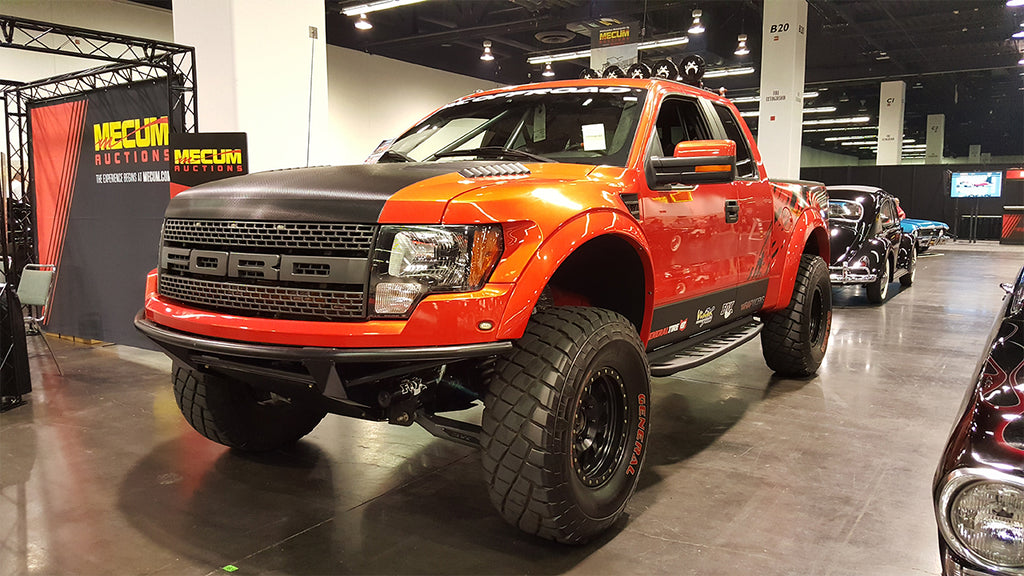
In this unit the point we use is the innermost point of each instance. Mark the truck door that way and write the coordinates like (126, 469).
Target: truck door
(754, 224)
(693, 247)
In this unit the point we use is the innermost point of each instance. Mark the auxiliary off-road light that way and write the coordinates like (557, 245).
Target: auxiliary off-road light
(988, 519)
(412, 261)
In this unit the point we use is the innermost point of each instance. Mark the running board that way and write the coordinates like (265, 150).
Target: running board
(701, 349)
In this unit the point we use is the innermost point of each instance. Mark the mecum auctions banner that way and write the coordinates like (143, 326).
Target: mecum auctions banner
(101, 176)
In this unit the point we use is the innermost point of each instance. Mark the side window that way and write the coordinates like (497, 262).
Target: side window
(745, 167)
(679, 120)
(887, 215)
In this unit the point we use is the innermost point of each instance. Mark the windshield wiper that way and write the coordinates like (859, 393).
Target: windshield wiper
(492, 152)
(392, 156)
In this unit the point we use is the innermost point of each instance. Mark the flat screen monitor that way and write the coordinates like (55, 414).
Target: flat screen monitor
(976, 184)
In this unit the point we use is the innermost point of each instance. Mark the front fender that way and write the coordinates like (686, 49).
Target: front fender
(556, 248)
(808, 234)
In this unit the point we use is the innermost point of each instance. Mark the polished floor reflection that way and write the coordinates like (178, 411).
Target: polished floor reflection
(746, 474)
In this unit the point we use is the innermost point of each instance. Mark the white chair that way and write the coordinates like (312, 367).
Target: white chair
(36, 289)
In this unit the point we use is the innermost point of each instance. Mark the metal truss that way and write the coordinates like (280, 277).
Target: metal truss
(130, 59)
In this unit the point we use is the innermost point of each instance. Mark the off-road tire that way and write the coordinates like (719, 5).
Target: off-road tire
(577, 373)
(878, 290)
(794, 339)
(907, 280)
(235, 414)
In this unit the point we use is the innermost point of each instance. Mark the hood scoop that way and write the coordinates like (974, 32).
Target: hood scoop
(495, 170)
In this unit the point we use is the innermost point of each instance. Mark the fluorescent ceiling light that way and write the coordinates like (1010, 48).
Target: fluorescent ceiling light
(847, 120)
(1014, 3)
(375, 6)
(729, 72)
(860, 141)
(821, 109)
(846, 129)
(664, 42)
(847, 138)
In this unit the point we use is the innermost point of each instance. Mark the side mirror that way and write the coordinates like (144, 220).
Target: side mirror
(697, 162)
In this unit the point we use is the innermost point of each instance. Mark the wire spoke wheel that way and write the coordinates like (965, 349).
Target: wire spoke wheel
(599, 427)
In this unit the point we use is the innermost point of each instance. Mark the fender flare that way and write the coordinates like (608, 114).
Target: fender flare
(556, 248)
(782, 277)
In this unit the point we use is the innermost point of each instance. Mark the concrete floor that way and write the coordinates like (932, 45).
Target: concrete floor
(746, 473)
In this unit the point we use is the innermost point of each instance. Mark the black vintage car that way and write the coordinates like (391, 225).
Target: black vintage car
(979, 485)
(868, 245)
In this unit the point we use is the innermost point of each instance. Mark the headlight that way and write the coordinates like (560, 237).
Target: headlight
(981, 515)
(411, 261)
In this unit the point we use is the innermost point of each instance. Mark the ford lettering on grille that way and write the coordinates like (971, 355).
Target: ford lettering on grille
(285, 270)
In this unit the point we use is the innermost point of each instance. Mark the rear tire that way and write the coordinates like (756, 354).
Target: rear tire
(907, 280)
(794, 340)
(565, 423)
(239, 416)
(879, 289)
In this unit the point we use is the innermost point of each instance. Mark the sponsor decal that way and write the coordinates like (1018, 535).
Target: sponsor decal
(669, 329)
(208, 160)
(755, 303)
(727, 308)
(207, 156)
(641, 431)
(705, 316)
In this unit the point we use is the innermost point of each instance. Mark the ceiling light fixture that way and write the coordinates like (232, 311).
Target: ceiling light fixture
(363, 23)
(375, 6)
(1020, 33)
(548, 72)
(1014, 3)
(847, 120)
(664, 42)
(577, 54)
(696, 27)
(487, 56)
(729, 72)
(818, 110)
(741, 47)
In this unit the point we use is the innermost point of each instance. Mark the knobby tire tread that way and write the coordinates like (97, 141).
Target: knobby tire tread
(781, 340)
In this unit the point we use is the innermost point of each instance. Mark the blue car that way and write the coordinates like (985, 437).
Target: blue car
(928, 232)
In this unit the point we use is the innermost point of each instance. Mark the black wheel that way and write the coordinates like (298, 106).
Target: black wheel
(879, 289)
(565, 423)
(794, 340)
(907, 280)
(236, 415)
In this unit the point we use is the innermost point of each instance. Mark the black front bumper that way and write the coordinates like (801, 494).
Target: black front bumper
(334, 373)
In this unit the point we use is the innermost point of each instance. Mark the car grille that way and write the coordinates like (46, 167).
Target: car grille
(254, 295)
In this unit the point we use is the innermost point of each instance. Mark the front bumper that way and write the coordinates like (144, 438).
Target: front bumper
(851, 275)
(337, 374)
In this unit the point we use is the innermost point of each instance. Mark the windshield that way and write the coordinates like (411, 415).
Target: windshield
(580, 124)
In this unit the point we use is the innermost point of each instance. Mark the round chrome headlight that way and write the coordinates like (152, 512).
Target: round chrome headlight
(981, 515)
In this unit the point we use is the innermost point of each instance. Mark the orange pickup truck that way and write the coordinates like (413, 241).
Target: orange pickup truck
(542, 249)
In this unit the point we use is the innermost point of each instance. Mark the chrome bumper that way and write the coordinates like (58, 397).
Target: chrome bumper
(850, 275)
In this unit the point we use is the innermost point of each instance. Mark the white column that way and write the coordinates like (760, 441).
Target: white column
(935, 138)
(783, 52)
(260, 72)
(890, 123)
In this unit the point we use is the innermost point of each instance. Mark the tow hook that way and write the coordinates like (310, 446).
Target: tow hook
(402, 401)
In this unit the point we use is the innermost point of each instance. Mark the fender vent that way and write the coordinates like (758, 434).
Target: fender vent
(632, 202)
(492, 170)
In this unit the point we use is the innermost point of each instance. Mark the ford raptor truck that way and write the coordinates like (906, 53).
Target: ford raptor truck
(542, 249)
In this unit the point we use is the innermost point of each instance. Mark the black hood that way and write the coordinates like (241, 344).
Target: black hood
(355, 193)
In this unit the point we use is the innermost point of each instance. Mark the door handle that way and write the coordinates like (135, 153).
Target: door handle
(732, 211)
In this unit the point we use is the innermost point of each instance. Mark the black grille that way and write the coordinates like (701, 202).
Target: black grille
(252, 293)
(265, 301)
(275, 237)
